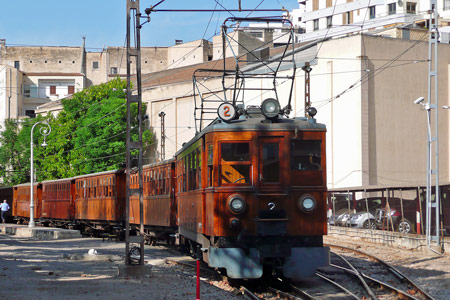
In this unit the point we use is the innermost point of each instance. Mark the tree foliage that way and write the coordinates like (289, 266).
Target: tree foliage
(88, 135)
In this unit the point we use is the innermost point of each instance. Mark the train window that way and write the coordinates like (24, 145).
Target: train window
(270, 162)
(199, 169)
(210, 161)
(185, 165)
(235, 151)
(235, 163)
(306, 155)
(210, 155)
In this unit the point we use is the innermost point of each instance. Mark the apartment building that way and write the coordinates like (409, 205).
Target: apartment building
(32, 76)
(331, 18)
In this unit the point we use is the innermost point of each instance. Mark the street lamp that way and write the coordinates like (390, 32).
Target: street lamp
(45, 131)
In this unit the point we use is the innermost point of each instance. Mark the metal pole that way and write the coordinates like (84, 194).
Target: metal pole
(433, 75)
(44, 132)
(133, 5)
(307, 69)
(32, 224)
(428, 192)
(163, 136)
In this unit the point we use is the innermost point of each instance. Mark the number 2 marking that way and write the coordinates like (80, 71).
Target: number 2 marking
(226, 111)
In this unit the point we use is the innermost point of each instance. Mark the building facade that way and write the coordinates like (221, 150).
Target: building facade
(331, 18)
(32, 76)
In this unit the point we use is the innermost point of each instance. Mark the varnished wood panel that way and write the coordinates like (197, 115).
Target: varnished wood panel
(21, 201)
(100, 200)
(159, 199)
(57, 200)
(190, 211)
(216, 211)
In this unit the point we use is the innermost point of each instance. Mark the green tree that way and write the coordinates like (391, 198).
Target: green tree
(13, 163)
(88, 135)
(15, 150)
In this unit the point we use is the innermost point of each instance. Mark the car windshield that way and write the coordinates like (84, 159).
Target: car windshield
(373, 204)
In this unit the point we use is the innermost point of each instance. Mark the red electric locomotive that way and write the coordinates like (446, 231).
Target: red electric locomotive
(252, 193)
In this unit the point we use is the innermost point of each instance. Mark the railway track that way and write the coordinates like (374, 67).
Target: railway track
(380, 279)
(375, 279)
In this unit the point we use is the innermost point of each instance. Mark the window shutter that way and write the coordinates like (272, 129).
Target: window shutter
(52, 90)
(71, 89)
(315, 4)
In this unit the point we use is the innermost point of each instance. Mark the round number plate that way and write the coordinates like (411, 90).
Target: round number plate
(226, 112)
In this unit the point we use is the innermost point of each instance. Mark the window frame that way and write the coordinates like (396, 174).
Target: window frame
(392, 8)
(248, 162)
(315, 24)
(329, 21)
(410, 5)
(372, 12)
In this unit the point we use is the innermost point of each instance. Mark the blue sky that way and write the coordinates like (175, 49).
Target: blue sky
(64, 22)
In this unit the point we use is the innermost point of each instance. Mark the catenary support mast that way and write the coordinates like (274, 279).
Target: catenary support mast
(433, 135)
(134, 52)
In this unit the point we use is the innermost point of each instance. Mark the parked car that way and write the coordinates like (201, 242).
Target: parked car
(344, 219)
(386, 217)
(333, 219)
(364, 215)
(363, 219)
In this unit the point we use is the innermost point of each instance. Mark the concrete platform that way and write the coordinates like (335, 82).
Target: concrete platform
(413, 242)
(39, 233)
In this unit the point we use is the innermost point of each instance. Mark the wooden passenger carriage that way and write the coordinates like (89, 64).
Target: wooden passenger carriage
(58, 205)
(100, 198)
(21, 203)
(158, 199)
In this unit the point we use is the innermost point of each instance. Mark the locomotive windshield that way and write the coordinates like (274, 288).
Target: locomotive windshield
(306, 155)
(270, 162)
(235, 163)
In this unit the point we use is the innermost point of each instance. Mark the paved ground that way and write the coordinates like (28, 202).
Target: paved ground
(31, 269)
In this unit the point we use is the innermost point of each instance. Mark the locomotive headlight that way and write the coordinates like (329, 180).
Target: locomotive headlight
(307, 203)
(270, 108)
(236, 203)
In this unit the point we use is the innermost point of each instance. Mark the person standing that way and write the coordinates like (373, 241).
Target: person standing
(4, 207)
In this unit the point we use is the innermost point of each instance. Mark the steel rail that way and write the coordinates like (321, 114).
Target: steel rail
(399, 292)
(361, 279)
(285, 295)
(390, 268)
(248, 294)
(303, 293)
(337, 285)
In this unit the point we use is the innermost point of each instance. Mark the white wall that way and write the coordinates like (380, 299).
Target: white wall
(3, 94)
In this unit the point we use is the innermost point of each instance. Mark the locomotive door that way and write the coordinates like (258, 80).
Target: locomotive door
(269, 162)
